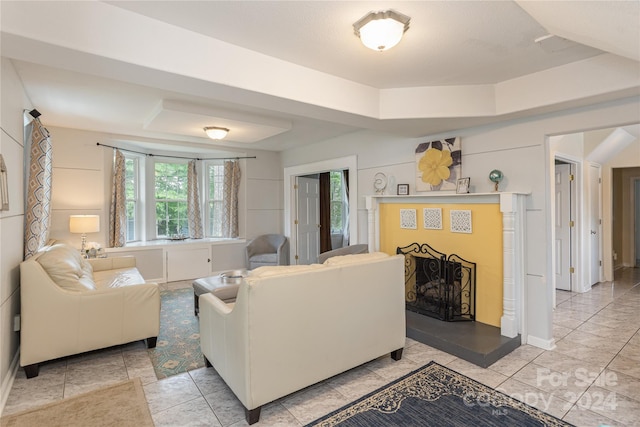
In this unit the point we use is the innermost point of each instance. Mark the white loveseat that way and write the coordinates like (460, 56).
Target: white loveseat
(70, 305)
(293, 326)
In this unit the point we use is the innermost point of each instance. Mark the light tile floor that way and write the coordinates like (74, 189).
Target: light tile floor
(592, 378)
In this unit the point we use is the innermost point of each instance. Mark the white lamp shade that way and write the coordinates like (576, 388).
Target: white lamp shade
(381, 34)
(84, 223)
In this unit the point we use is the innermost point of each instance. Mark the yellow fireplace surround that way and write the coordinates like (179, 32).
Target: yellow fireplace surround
(495, 244)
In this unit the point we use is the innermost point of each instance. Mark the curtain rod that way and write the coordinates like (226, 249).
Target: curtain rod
(177, 157)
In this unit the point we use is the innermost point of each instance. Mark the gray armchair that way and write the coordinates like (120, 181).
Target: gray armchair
(268, 249)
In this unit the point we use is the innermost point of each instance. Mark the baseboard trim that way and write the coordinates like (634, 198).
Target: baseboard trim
(549, 344)
(8, 381)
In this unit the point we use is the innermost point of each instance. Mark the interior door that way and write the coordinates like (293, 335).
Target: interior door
(308, 220)
(594, 223)
(563, 225)
(637, 220)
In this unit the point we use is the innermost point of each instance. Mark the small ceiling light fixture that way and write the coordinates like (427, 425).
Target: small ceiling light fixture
(215, 132)
(381, 30)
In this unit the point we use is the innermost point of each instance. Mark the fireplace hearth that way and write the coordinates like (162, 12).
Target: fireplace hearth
(439, 285)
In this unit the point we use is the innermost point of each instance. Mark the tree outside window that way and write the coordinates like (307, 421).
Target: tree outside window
(131, 196)
(171, 199)
(337, 203)
(215, 194)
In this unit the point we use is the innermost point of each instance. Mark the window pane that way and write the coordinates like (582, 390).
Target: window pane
(337, 204)
(131, 196)
(171, 199)
(215, 195)
(131, 220)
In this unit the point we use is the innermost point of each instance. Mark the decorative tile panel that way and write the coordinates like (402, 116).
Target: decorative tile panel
(461, 221)
(432, 218)
(408, 219)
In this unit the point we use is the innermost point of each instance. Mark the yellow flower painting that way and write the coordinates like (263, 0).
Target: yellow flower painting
(438, 164)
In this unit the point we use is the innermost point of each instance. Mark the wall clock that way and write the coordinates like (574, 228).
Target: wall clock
(379, 182)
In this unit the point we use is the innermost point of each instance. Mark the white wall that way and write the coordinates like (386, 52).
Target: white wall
(519, 148)
(13, 101)
(82, 176)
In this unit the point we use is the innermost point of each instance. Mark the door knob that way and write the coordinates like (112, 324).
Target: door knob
(593, 232)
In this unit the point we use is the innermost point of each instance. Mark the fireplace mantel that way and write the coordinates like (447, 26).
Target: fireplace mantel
(512, 207)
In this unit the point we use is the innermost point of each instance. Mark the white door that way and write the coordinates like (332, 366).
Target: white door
(308, 220)
(563, 226)
(594, 223)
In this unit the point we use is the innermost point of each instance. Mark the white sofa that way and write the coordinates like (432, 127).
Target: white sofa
(70, 305)
(293, 326)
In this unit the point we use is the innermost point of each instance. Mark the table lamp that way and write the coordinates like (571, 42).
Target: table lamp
(84, 224)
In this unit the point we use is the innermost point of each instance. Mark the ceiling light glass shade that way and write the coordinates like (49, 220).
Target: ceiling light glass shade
(381, 30)
(215, 132)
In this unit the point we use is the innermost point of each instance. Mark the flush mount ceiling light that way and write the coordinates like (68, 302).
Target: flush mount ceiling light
(381, 30)
(215, 132)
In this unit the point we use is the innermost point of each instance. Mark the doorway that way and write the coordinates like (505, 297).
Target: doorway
(636, 220)
(307, 219)
(291, 175)
(565, 224)
(595, 224)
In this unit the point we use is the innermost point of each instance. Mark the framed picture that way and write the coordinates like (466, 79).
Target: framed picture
(403, 189)
(462, 186)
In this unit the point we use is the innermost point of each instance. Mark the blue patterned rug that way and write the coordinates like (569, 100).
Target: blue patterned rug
(178, 346)
(437, 396)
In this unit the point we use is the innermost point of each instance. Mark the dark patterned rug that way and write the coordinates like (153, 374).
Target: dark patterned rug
(178, 347)
(437, 396)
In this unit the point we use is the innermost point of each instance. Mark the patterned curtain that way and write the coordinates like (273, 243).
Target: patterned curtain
(193, 202)
(230, 198)
(38, 197)
(117, 211)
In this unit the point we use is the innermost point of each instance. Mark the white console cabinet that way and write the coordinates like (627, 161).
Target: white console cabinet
(167, 261)
(187, 263)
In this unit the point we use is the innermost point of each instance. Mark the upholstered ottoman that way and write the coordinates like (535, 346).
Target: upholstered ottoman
(224, 286)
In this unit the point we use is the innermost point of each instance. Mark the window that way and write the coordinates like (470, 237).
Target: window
(213, 202)
(156, 197)
(171, 199)
(132, 197)
(337, 203)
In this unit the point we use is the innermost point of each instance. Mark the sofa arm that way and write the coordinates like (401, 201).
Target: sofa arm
(226, 293)
(117, 315)
(101, 264)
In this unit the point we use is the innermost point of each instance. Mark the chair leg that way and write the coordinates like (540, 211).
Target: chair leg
(252, 415)
(397, 354)
(151, 342)
(32, 371)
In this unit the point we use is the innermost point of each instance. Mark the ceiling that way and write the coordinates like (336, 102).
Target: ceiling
(477, 46)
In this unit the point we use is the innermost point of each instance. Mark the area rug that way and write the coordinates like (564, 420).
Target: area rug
(437, 396)
(178, 347)
(122, 405)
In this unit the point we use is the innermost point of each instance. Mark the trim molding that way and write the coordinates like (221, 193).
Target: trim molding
(8, 381)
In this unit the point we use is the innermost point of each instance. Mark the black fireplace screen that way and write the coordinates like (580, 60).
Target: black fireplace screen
(439, 285)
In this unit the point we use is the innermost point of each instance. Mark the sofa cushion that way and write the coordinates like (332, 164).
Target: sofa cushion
(117, 278)
(281, 270)
(355, 258)
(66, 268)
(271, 258)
